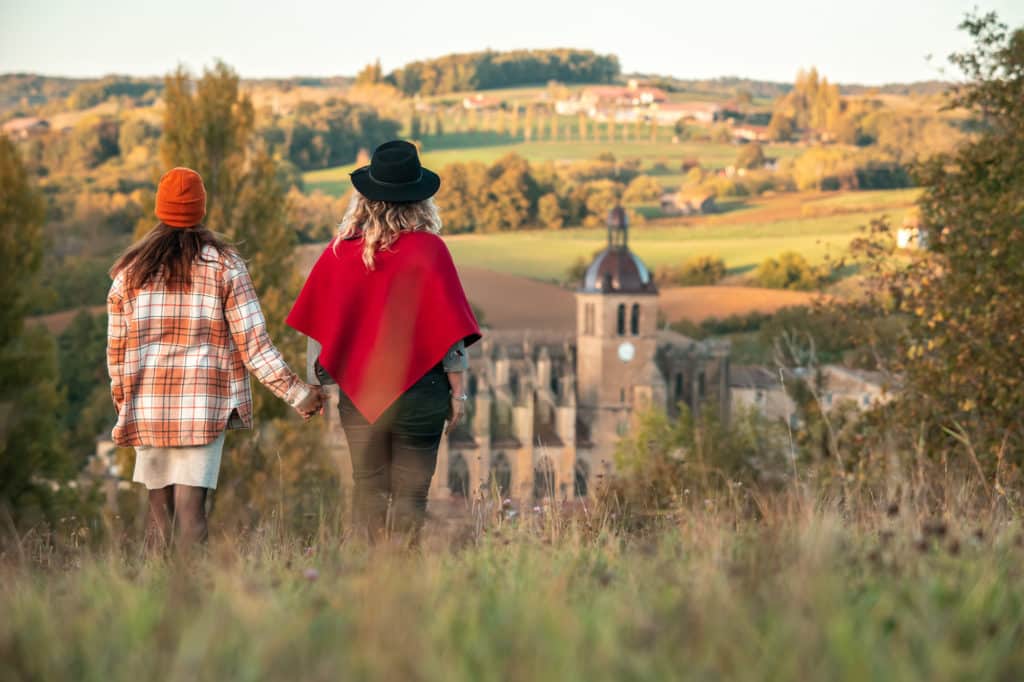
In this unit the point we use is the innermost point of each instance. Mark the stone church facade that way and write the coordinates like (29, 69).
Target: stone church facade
(545, 409)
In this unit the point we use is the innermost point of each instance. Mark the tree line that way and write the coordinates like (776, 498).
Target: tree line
(513, 194)
(490, 69)
(814, 109)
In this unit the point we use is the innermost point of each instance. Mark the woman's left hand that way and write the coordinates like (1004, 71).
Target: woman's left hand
(455, 411)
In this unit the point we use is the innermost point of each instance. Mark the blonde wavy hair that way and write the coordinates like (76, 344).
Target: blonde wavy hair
(380, 223)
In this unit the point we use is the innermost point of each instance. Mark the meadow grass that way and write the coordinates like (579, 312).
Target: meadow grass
(776, 586)
(547, 254)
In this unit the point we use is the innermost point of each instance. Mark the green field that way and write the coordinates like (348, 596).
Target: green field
(743, 245)
(334, 181)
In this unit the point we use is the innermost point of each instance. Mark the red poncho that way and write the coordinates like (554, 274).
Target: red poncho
(381, 330)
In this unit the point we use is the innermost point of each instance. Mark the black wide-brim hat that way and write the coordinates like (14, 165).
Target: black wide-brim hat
(395, 175)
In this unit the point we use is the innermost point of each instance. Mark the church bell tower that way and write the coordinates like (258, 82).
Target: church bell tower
(616, 335)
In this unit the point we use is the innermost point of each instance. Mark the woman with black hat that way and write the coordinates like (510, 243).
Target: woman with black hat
(391, 323)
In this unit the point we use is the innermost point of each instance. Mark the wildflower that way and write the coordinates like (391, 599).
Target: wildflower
(537, 510)
(311, 574)
(309, 551)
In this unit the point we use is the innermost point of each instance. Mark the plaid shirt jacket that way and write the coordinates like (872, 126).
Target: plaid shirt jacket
(178, 359)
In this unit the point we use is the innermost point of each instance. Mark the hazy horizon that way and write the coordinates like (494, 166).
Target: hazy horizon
(878, 42)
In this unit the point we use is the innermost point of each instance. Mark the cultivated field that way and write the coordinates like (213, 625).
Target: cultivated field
(699, 303)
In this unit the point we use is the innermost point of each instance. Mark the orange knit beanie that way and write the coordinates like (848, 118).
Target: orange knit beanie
(181, 198)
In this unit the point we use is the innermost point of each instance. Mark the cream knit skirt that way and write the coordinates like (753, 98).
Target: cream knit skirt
(196, 466)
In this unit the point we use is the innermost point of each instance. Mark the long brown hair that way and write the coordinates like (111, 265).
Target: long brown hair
(168, 252)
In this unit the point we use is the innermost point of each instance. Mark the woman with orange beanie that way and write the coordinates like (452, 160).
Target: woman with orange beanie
(184, 326)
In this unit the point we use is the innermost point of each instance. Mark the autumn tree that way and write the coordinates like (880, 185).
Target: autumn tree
(371, 73)
(549, 212)
(964, 359)
(31, 456)
(751, 156)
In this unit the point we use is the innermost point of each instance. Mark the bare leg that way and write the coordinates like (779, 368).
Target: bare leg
(159, 517)
(190, 517)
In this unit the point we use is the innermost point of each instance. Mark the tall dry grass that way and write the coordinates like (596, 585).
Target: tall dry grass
(802, 581)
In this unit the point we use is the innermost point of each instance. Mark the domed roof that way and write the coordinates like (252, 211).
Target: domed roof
(618, 270)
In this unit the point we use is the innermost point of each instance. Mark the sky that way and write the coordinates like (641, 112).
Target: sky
(867, 41)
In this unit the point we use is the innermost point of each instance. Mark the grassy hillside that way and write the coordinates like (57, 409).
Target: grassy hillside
(797, 591)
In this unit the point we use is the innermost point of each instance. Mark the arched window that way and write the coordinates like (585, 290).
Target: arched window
(679, 386)
(634, 320)
(700, 385)
(622, 319)
(544, 479)
(458, 476)
(588, 319)
(581, 479)
(501, 474)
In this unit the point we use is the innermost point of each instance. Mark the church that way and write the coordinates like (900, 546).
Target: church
(546, 409)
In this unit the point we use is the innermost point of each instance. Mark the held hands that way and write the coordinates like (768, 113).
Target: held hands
(312, 404)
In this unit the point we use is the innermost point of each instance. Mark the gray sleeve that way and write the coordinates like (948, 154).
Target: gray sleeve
(456, 360)
(315, 374)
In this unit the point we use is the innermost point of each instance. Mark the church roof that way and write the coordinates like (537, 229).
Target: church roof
(616, 269)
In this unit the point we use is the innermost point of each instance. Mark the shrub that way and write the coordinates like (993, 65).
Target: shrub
(751, 156)
(791, 271)
(696, 271)
(642, 189)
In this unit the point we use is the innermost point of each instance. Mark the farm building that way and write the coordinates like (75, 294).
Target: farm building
(861, 388)
(480, 102)
(760, 389)
(750, 133)
(667, 113)
(611, 101)
(911, 235)
(688, 203)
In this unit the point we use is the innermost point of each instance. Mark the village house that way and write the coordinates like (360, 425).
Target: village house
(863, 388)
(750, 133)
(767, 391)
(480, 102)
(668, 113)
(911, 235)
(610, 102)
(688, 202)
(762, 390)
(25, 127)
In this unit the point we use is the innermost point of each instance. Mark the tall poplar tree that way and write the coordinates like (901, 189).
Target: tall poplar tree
(209, 126)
